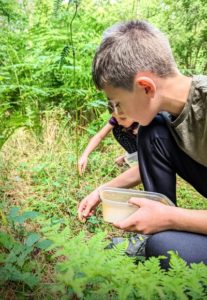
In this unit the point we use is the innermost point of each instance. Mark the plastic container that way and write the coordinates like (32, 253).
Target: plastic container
(131, 159)
(115, 202)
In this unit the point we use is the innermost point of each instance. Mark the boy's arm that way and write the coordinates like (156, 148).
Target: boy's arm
(94, 142)
(127, 179)
(189, 220)
(152, 217)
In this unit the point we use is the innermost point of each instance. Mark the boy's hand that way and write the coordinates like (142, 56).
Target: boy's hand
(82, 163)
(88, 205)
(120, 160)
(151, 217)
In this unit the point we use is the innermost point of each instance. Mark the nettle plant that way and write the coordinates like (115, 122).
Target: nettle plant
(18, 249)
(89, 271)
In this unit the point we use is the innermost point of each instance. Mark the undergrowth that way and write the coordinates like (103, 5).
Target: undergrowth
(46, 253)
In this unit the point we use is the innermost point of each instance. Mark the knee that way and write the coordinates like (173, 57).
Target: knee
(178, 241)
(158, 245)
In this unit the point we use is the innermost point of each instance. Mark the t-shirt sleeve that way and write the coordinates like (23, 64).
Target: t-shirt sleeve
(113, 121)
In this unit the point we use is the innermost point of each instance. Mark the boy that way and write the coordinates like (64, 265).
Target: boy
(135, 68)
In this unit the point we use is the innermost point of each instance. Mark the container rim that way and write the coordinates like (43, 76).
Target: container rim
(134, 194)
(117, 203)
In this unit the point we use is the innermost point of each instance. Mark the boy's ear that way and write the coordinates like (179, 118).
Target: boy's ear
(147, 84)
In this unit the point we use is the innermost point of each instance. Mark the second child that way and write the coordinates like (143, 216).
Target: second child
(125, 132)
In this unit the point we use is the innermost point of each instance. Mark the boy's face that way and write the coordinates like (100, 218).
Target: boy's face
(138, 105)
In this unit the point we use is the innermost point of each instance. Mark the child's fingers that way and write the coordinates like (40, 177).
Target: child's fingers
(81, 209)
(81, 169)
(84, 166)
(128, 223)
(87, 211)
(80, 216)
(91, 213)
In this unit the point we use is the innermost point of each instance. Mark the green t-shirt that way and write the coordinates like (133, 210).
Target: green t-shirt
(189, 129)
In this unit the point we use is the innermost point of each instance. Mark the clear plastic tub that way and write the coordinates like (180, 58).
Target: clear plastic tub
(131, 159)
(115, 202)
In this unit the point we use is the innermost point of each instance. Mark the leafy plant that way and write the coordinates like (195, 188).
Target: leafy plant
(42, 46)
(93, 272)
(15, 259)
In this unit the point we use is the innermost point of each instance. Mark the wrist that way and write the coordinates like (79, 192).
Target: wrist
(98, 189)
(97, 193)
(173, 218)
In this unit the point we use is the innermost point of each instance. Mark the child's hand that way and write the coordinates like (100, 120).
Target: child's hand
(88, 205)
(120, 160)
(150, 217)
(82, 163)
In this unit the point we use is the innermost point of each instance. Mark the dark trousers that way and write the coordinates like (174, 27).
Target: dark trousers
(160, 159)
(191, 247)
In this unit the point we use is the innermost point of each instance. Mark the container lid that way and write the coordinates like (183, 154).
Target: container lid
(132, 156)
(131, 159)
(120, 196)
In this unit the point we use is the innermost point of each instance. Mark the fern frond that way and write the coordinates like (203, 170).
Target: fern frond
(63, 55)
(57, 4)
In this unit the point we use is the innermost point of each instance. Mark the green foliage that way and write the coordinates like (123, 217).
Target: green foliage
(39, 53)
(9, 10)
(16, 217)
(57, 4)
(46, 50)
(16, 255)
(92, 272)
(47, 252)
(184, 23)
(44, 43)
